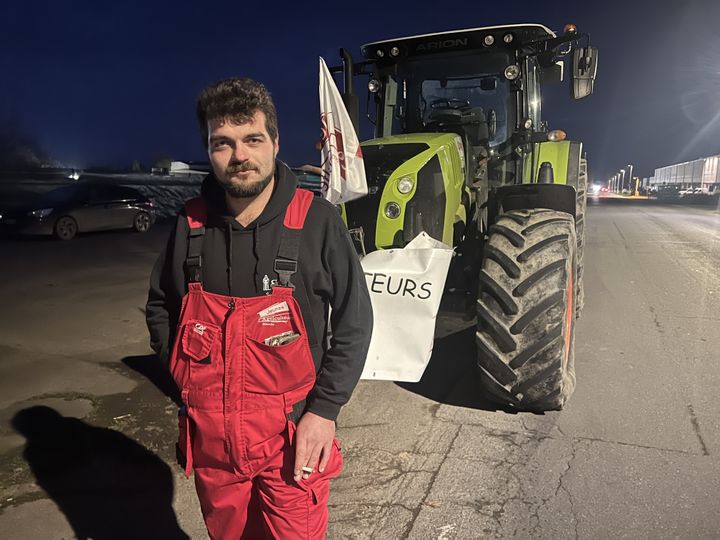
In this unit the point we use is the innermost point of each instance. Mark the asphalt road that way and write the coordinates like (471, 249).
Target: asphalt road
(633, 455)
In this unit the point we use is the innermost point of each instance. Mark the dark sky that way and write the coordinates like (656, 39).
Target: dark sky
(103, 83)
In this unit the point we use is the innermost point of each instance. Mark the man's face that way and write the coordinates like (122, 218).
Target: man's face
(242, 155)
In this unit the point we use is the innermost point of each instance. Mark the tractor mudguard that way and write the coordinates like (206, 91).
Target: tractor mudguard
(558, 197)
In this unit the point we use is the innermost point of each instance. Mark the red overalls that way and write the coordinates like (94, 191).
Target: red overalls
(241, 365)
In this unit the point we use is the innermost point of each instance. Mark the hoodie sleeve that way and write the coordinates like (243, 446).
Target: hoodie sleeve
(351, 322)
(164, 300)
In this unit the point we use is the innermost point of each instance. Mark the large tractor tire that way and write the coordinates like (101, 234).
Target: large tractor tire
(526, 310)
(580, 210)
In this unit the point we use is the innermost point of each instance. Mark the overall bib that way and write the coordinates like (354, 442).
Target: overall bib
(244, 369)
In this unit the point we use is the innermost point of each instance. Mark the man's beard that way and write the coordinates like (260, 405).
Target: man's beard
(244, 190)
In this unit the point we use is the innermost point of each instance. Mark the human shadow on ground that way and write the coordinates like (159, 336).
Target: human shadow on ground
(451, 376)
(150, 366)
(107, 485)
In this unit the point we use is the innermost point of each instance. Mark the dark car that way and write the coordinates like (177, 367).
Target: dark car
(82, 207)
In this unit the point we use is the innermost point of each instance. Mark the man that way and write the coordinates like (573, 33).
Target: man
(238, 304)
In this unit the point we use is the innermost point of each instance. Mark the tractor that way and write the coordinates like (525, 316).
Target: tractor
(461, 152)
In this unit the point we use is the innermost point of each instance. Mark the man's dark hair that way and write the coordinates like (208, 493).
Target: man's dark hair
(236, 99)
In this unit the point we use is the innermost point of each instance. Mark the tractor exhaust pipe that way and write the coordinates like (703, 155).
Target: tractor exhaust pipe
(349, 98)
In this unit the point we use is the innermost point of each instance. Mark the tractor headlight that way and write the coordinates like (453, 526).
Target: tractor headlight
(405, 185)
(373, 85)
(489, 40)
(507, 38)
(392, 210)
(512, 72)
(380, 53)
(394, 51)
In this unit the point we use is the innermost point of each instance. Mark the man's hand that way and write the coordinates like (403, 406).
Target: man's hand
(313, 443)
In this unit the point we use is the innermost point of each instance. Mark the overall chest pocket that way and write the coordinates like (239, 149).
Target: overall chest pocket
(201, 350)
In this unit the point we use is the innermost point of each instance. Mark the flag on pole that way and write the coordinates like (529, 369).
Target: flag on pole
(343, 171)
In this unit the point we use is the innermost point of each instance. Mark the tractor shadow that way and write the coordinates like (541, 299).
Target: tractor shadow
(451, 377)
(150, 367)
(107, 485)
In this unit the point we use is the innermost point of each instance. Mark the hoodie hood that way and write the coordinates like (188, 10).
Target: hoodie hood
(220, 215)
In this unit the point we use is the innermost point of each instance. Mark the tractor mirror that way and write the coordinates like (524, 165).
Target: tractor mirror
(584, 69)
(488, 84)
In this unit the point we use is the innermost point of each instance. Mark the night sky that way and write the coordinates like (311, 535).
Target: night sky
(98, 83)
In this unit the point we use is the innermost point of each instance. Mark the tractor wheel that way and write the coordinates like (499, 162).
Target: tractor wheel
(580, 211)
(526, 307)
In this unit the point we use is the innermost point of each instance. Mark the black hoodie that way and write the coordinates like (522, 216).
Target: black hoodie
(236, 259)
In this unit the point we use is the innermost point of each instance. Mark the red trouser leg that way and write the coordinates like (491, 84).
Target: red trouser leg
(231, 507)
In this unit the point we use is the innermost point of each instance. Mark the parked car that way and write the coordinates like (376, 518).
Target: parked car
(82, 207)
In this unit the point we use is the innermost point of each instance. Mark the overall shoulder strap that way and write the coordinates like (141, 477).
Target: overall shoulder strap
(286, 260)
(196, 211)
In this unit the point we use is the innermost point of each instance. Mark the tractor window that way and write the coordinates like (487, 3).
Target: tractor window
(431, 90)
(474, 95)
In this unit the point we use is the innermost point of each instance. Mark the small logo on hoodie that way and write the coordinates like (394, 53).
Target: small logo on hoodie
(266, 284)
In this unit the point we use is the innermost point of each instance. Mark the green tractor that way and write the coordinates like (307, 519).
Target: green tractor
(461, 152)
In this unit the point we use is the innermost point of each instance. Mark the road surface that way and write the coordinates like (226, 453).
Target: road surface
(633, 455)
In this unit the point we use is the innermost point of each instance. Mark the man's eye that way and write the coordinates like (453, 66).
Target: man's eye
(219, 144)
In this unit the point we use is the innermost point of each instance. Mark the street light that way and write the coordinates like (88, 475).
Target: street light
(630, 178)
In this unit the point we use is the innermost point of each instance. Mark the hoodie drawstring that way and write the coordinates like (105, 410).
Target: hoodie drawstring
(228, 232)
(256, 241)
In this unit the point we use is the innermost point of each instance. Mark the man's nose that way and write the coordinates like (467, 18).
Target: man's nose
(240, 153)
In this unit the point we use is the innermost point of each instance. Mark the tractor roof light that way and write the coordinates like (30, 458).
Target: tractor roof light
(512, 72)
(556, 135)
(394, 51)
(392, 210)
(507, 38)
(405, 185)
(380, 53)
(489, 40)
(570, 28)
(373, 86)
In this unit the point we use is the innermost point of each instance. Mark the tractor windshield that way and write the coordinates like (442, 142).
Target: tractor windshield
(433, 91)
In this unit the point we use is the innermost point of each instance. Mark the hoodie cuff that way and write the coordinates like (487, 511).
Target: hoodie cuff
(323, 408)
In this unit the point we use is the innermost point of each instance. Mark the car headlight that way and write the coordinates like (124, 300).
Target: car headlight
(405, 185)
(40, 213)
(392, 210)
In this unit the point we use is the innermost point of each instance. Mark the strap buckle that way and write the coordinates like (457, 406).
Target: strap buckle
(285, 268)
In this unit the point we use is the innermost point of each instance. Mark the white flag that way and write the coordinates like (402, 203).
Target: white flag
(406, 287)
(343, 171)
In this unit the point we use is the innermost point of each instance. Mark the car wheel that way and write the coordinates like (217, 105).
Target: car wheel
(66, 228)
(141, 223)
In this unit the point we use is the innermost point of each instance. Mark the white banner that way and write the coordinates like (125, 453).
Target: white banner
(343, 171)
(406, 287)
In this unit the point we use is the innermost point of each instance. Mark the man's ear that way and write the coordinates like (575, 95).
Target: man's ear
(277, 145)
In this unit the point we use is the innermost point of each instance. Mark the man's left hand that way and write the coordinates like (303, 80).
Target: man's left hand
(313, 443)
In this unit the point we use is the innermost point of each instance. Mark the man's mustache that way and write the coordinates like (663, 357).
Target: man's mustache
(239, 167)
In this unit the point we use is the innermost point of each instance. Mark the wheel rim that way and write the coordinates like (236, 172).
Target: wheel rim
(142, 222)
(66, 228)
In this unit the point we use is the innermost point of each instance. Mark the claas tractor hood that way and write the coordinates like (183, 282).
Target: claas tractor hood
(415, 183)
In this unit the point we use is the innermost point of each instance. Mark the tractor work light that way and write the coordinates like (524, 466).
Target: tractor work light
(394, 51)
(507, 38)
(373, 86)
(527, 123)
(405, 185)
(512, 72)
(380, 53)
(392, 210)
(557, 135)
(570, 28)
(489, 40)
